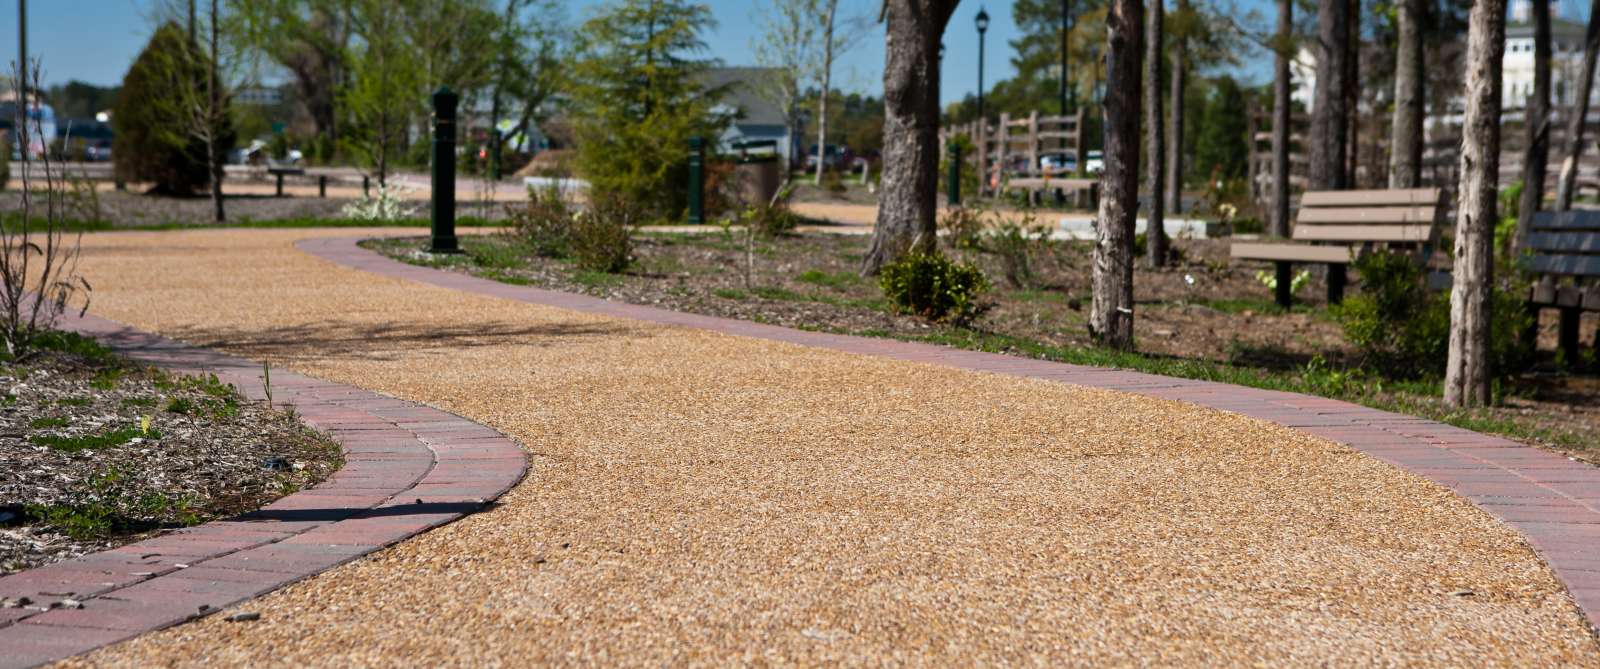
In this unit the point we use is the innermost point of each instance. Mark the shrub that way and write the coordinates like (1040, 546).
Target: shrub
(153, 139)
(1015, 242)
(545, 223)
(771, 220)
(602, 238)
(933, 287)
(387, 205)
(1404, 329)
(962, 227)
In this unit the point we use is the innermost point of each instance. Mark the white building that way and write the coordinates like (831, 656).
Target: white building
(1566, 56)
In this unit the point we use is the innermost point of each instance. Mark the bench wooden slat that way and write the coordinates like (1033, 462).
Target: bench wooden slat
(1577, 219)
(1571, 265)
(1425, 197)
(1067, 183)
(1413, 234)
(1291, 252)
(1368, 215)
(1565, 242)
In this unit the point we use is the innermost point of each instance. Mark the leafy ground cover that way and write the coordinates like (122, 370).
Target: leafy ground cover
(101, 451)
(1203, 318)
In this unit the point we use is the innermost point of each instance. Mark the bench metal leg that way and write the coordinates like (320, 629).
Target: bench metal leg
(280, 185)
(1567, 334)
(322, 186)
(1284, 273)
(1337, 278)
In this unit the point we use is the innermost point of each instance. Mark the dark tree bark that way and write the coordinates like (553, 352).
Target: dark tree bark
(1574, 150)
(1352, 96)
(1155, 219)
(1177, 83)
(1536, 122)
(213, 117)
(1330, 112)
(1467, 373)
(1405, 135)
(1111, 309)
(1284, 50)
(906, 205)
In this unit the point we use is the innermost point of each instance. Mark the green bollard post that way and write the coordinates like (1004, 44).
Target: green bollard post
(952, 186)
(697, 204)
(444, 171)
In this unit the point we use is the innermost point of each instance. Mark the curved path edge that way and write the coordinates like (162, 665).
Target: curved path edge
(408, 468)
(1550, 499)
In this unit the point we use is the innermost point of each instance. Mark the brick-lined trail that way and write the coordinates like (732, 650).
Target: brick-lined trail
(699, 498)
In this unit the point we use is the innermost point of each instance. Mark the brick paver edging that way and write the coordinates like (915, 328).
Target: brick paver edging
(1550, 499)
(408, 468)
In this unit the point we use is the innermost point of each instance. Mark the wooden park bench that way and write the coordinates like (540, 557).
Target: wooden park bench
(1085, 192)
(1333, 227)
(1565, 256)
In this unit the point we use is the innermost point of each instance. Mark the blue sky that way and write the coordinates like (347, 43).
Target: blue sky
(95, 40)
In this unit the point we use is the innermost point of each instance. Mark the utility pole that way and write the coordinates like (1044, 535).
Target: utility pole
(22, 56)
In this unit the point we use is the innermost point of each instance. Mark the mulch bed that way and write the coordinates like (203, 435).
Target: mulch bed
(101, 452)
(1202, 307)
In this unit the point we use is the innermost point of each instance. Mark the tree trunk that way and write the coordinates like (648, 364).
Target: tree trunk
(827, 80)
(1111, 309)
(1537, 125)
(1352, 96)
(1569, 165)
(1155, 220)
(906, 203)
(214, 119)
(1280, 119)
(1405, 135)
(1329, 111)
(1467, 373)
(1178, 82)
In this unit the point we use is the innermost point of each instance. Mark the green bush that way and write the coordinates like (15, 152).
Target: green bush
(153, 140)
(1015, 242)
(1403, 329)
(544, 224)
(933, 287)
(602, 238)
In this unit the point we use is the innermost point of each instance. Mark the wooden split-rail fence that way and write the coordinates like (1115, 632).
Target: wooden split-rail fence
(1011, 151)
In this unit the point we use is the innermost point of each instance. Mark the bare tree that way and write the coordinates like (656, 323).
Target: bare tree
(1283, 51)
(1467, 373)
(838, 37)
(1536, 122)
(787, 48)
(1568, 182)
(215, 123)
(1111, 306)
(38, 258)
(203, 105)
(1330, 110)
(1405, 134)
(1155, 151)
(906, 205)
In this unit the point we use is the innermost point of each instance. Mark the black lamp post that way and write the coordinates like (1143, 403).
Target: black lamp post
(982, 21)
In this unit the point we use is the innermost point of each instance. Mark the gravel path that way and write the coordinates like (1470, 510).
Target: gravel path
(694, 498)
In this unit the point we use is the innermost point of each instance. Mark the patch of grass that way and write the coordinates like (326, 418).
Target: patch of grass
(834, 280)
(90, 520)
(506, 277)
(107, 379)
(180, 405)
(1052, 296)
(47, 423)
(75, 344)
(495, 254)
(75, 401)
(730, 293)
(91, 442)
(777, 293)
(139, 402)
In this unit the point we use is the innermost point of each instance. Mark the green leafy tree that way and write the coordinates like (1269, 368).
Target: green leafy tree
(382, 98)
(1219, 137)
(640, 96)
(154, 120)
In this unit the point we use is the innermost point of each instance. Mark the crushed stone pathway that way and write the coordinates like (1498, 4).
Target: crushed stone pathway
(408, 468)
(699, 498)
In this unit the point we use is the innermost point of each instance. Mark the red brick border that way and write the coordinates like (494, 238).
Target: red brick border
(1550, 499)
(408, 468)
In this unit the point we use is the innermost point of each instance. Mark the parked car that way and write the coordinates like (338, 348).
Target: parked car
(1058, 163)
(97, 152)
(1094, 163)
(832, 157)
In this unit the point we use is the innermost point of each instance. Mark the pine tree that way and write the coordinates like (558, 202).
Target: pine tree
(641, 94)
(155, 142)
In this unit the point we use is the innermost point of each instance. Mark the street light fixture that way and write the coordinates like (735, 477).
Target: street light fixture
(982, 21)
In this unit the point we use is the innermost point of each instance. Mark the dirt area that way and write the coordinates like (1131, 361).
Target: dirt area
(1203, 309)
(102, 452)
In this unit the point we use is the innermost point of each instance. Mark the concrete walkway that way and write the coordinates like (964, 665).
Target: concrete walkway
(700, 498)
